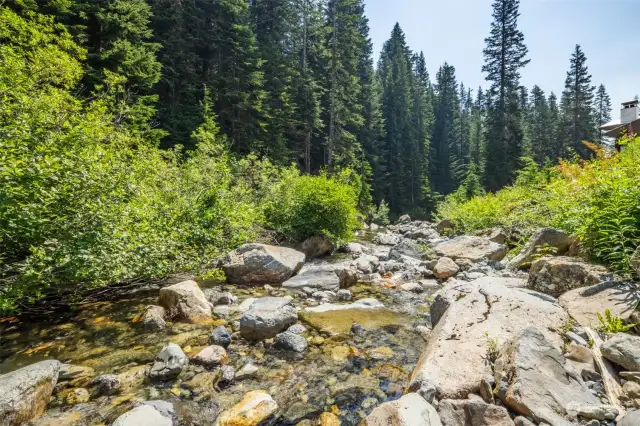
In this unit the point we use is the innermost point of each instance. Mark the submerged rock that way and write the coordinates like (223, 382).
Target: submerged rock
(254, 408)
(25, 393)
(211, 356)
(267, 317)
(261, 263)
(186, 301)
(410, 410)
(169, 363)
(544, 239)
(153, 318)
(557, 275)
(338, 319)
(472, 248)
(221, 337)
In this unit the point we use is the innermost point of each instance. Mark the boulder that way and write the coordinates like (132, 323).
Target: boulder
(423, 234)
(143, 415)
(289, 341)
(470, 321)
(262, 264)
(472, 248)
(497, 235)
(169, 363)
(624, 350)
(542, 240)
(316, 246)
(411, 249)
(211, 356)
(632, 418)
(444, 225)
(557, 275)
(404, 219)
(472, 412)
(153, 318)
(583, 304)
(354, 248)
(410, 410)
(108, 384)
(267, 317)
(254, 408)
(366, 264)
(386, 239)
(535, 380)
(186, 301)
(315, 277)
(445, 268)
(348, 277)
(25, 393)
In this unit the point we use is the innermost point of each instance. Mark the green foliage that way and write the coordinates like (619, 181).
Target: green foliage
(598, 200)
(379, 214)
(613, 324)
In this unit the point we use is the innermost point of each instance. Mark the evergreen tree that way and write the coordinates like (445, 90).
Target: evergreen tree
(555, 148)
(540, 127)
(577, 106)
(476, 141)
(505, 54)
(602, 107)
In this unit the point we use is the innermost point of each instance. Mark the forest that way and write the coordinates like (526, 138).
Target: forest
(143, 137)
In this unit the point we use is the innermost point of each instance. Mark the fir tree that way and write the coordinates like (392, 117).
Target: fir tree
(602, 107)
(476, 141)
(540, 126)
(504, 54)
(555, 148)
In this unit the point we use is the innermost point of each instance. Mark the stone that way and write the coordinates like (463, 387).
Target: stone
(297, 329)
(631, 375)
(359, 304)
(290, 342)
(471, 320)
(227, 375)
(445, 268)
(220, 337)
(374, 226)
(423, 234)
(354, 248)
(472, 248)
(623, 349)
(631, 390)
(329, 419)
(404, 219)
(367, 264)
(585, 303)
(315, 277)
(344, 295)
(412, 287)
(108, 384)
(211, 356)
(169, 363)
(316, 246)
(557, 275)
(247, 371)
(472, 412)
(25, 393)
(153, 318)
(143, 415)
(77, 375)
(522, 421)
(245, 305)
(262, 264)
(338, 319)
(444, 225)
(578, 340)
(347, 277)
(254, 408)
(386, 239)
(221, 312)
(542, 240)
(535, 380)
(225, 298)
(486, 389)
(410, 250)
(497, 235)
(410, 410)
(595, 412)
(186, 301)
(579, 353)
(165, 408)
(632, 418)
(267, 317)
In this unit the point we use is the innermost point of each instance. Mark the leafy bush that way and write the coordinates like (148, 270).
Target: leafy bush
(597, 200)
(378, 214)
(613, 324)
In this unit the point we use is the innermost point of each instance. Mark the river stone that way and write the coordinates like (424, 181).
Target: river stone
(368, 303)
(247, 371)
(143, 415)
(556, 239)
(470, 318)
(423, 234)
(220, 336)
(316, 246)
(338, 319)
(584, 304)
(211, 356)
(472, 248)
(165, 408)
(315, 277)
(410, 249)
(536, 381)
(444, 225)
(186, 301)
(632, 418)
(25, 393)
(410, 410)
(472, 412)
(404, 219)
(445, 268)
(153, 318)
(267, 317)
(297, 329)
(169, 363)
(254, 408)
(624, 350)
(262, 264)
(366, 264)
(386, 239)
(354, 248)
(557, 275)
(108, 384)
(289, 341)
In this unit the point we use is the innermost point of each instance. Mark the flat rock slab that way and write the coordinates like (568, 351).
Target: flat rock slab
(583, 304)
(468, 320)
(262, 264)
(472, 248)
(316, 277)
(535, 380)
(25, 393)
(266, 317)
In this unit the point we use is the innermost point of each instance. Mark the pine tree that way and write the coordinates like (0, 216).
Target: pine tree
(555, 148)
(602, 107)
(540, 126)
(476, 142)
(505, 54)
(577, 106)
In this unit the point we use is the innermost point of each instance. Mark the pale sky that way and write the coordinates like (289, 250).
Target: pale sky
(454, 31)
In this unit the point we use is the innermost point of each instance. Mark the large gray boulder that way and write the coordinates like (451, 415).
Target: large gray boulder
(267, 317)
(411, 249)
(535, 380)
(186, 301)
(367, 264)
(471, 320)
(557, 275)
(624, 350)
(472, 248)
(542, 240)
(583, 304)
(143, 415)
(25, 393)
(315, 277)
(153, 318)
(316, 246)
(262, 264)
(472, 412)
(410, 410)
(386, 239)
(169, 363)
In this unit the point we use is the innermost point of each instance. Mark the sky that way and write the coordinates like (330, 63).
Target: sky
(454, 31)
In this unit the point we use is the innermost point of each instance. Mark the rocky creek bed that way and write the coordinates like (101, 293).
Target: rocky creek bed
(404, 327)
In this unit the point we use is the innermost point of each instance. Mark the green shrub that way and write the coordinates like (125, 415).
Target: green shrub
(378, 214)
(613, 324)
